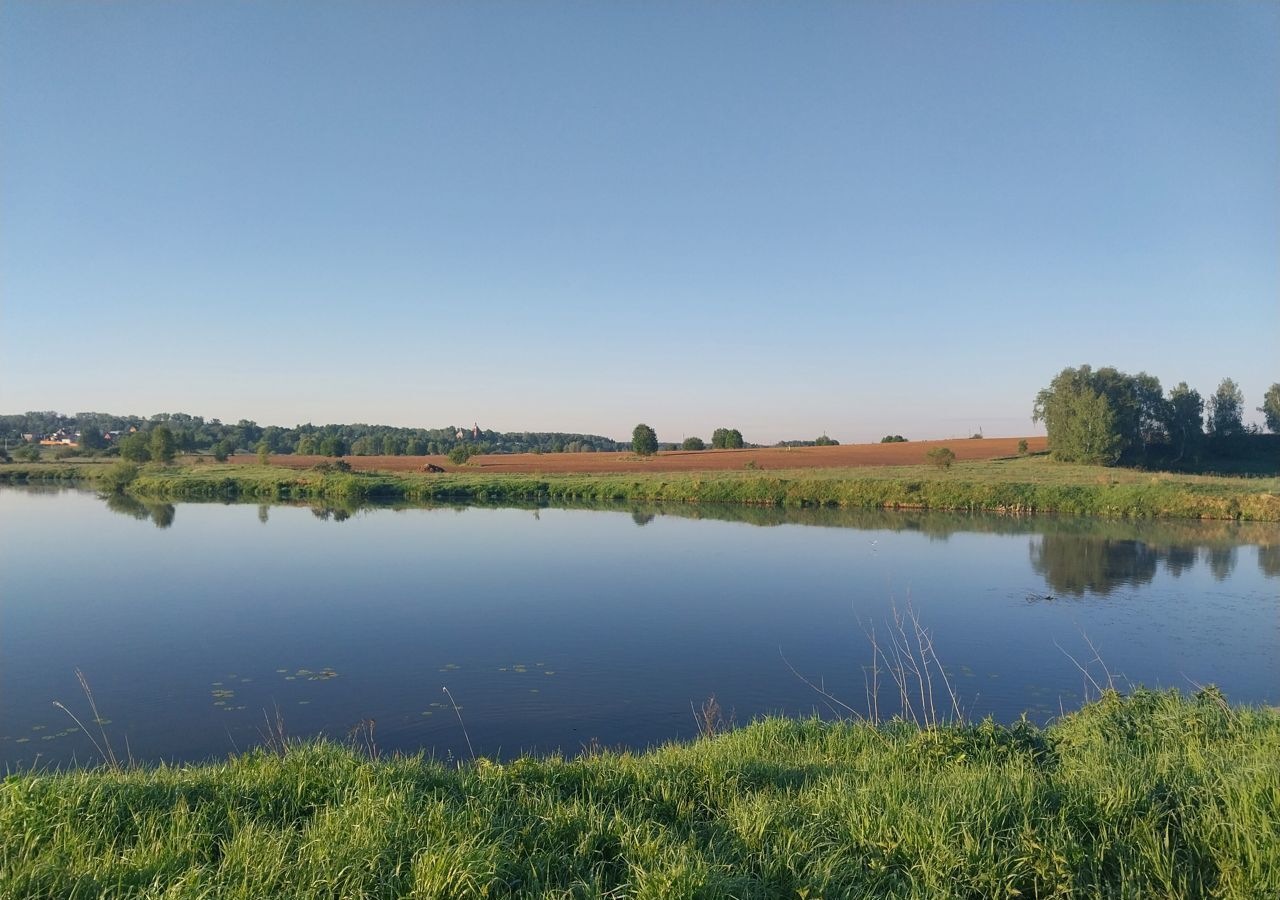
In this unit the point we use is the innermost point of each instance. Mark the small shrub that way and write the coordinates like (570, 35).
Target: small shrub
(27, 453)
(460, 454)
(1022, 448)
(942, 457)
(693, 443)
(893, 439)
(119, 476)
(751, 464)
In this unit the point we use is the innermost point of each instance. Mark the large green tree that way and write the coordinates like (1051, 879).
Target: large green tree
(91, 438)
(1101, 415)
(644, 440)
(1184, 414)
(1226, 410)
(135, 447)
(1270, 408)
(161, 444)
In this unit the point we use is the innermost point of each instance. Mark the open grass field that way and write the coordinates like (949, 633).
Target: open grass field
(767, 458)
(1154, 795)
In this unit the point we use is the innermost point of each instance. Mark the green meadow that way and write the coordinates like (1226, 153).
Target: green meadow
(1023, 485)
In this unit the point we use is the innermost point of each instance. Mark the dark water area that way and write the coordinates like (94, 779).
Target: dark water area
(555, 628)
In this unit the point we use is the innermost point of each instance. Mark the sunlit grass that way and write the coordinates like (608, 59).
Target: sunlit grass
(1017, 485)
(1148, 796)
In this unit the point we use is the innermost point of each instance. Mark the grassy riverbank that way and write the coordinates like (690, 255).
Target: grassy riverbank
(1153, 795)
(1008, 485)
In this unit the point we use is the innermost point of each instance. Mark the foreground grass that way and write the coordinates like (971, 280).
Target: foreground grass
(1010, 485)
(1153, 795)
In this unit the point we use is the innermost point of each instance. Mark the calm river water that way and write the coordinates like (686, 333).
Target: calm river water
(556, 627)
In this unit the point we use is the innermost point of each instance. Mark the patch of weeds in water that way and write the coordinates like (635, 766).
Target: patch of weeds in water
(281, 671)
(23, 740)
(427, 712)
(323, 675)
(39, 727)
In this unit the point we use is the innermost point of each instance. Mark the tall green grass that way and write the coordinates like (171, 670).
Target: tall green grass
(1153, 795)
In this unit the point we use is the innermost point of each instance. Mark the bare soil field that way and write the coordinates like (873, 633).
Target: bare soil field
(843, 457)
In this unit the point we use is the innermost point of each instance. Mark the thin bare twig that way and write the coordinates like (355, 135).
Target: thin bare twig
(458, 713)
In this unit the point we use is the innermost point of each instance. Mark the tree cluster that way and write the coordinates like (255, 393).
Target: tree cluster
(1106, 416)
(726, 439)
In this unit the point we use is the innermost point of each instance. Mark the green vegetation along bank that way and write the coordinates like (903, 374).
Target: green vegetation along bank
(1013, 485)
(1153, 795)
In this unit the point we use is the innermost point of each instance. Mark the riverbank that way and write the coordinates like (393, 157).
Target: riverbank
(1019, 485)
(1149, 795)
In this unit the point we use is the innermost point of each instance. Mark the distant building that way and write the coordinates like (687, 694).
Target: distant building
(61, 438)
(475, 431)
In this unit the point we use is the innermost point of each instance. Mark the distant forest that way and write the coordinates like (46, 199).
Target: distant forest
(194, 434)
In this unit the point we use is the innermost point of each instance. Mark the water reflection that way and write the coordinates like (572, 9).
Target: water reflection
(1074, 555)
(162, 514)
(1077, 564)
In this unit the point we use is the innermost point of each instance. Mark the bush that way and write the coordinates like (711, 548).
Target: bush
(1022, 448)
(460, 454)
(119, 476)
(824, 441)
(222, 450)
(27, 453)
(942, 457)
(693, 443)
(893, 439)
(644, 440)
(135, 448)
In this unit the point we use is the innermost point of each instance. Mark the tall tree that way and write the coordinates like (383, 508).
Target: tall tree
(134, 447)
(1184, 413)
(91, 438)
(1270, 408)
(1226, 410)
(161, 445)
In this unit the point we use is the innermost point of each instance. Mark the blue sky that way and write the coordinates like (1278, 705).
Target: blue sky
(857, 218)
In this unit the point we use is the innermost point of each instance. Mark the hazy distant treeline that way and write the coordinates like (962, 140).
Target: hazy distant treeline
(195, 434)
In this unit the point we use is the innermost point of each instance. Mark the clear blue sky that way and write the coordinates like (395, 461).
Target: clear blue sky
(791, 218)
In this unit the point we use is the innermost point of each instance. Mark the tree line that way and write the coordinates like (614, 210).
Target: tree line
(1108, 417)
(195, 434)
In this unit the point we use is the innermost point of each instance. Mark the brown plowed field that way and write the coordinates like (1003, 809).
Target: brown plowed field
(845, 456)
